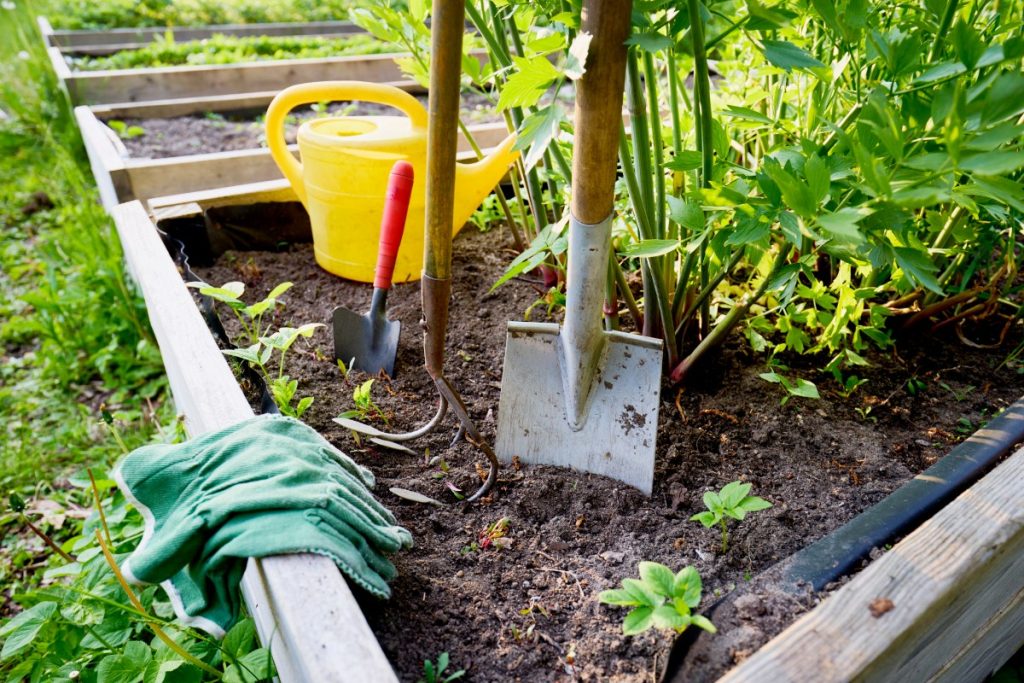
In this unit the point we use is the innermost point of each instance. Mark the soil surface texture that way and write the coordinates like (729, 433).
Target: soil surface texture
(524, 607)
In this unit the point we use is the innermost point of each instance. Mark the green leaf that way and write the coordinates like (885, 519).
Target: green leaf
(707, 518)
(254, 667)
(576, 59)
(733, 492)
(993, 163)
(657, 576)
(250, 353)
(539, 130)
(279, 290)
(804, 389)
(746, 114)
(703, 622)
(754, 503)
(617, 596)
(125, 668)
(713, 502)
(918, 268)
(239, 639)
(171, 671)
(525, 87)
(788, 56)
(638, 621)
(650, 41)
(641, 593)
(667, 617)
(20, 631)
(649, 248)
(688, 586)
(818, 177)
(842, 225)
(686, 160)
(686, 213)
(968, 44)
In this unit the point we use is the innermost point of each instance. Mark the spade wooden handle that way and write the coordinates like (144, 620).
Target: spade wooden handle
(599, 109)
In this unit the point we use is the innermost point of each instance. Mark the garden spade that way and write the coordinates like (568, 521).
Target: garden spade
(579, 396)
(369, 342)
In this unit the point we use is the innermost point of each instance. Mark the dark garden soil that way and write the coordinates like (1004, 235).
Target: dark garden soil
(528, 611)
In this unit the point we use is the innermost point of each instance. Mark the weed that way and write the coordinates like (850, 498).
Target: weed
(732, 502)
(365, 408)
(434, 672)
(124, 131)
(660, 599)
(959, 394)
(798, 387)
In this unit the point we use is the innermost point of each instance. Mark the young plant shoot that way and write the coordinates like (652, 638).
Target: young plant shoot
(732, 502)
(660, 599)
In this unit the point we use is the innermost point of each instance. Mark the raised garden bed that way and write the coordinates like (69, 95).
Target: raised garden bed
(530, 610)
(105, 42)
(163, 160)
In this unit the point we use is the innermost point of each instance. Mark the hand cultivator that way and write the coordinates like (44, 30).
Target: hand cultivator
(445, 70)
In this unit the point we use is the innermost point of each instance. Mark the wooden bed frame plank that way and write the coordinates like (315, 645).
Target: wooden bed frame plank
(174, 82)
(957, 587)
(217, 103)
(304, 610)
(122, 179)
(127, 38)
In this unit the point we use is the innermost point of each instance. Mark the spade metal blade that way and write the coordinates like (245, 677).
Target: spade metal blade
(618, 436)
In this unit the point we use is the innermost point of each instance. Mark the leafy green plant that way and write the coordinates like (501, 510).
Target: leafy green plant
(434, 672)
(732, 502)
(365, 408)
(249, 316)
(282, 387)
(124, 131)
(660, 599)
(224, 49)
(100, 14)
(794, 387)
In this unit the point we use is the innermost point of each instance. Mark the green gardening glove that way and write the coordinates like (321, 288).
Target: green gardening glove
(189, 493)
(206, 592)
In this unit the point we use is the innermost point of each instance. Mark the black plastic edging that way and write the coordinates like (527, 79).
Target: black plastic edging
(840, 552)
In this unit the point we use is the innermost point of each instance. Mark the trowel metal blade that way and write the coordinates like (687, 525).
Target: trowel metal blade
(617, 439)
(363, 344)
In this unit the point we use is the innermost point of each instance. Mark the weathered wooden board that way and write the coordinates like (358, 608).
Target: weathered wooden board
(184, 106)
(174, 82)
(121, 178)
(956, 585)
(304, 610)
(112, 40)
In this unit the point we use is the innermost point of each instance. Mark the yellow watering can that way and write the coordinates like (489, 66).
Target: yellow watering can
(346, 161)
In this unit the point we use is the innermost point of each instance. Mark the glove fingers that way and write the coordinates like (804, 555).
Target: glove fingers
(338, 528)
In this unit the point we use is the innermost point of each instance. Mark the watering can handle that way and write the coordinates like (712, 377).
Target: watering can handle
(321, 91)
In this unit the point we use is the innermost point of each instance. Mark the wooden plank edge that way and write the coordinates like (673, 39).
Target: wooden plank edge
(183, 106)
(150, 178)
(108, 168)
(46, 31)
(303, 608)
(974, 547)
(77, 38)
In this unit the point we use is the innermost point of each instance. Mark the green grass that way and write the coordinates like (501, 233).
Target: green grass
(75, 339)
(222, 49)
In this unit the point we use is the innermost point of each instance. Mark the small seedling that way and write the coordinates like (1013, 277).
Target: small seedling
(124, 131)
(660, 599)
(959, 394)
(365, 408)
(434, 672)
(282, 387)
(250, 317)
(916, 385)
(798, 387)
(734, 502)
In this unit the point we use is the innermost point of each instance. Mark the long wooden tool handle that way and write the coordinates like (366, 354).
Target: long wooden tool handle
(446, 27)
(599, 109)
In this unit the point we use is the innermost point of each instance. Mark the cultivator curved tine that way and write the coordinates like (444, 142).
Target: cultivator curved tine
(367, 430)
(469, 430)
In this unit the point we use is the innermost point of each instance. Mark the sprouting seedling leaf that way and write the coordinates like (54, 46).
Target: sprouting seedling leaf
(660, 599)
(732, 502)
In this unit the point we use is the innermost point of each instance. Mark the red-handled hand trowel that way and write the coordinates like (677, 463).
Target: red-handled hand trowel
(369, 342)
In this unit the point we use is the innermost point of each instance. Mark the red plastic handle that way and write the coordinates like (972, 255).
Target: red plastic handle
(396, 208)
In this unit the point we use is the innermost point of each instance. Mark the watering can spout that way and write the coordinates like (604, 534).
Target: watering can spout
(473, 182)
